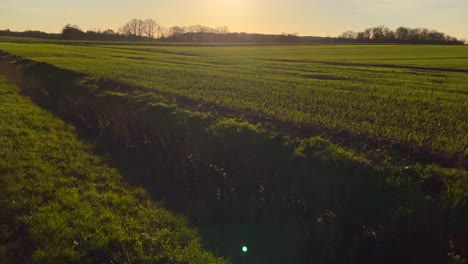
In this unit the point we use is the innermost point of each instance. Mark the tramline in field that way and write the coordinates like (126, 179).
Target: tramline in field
(410, 94)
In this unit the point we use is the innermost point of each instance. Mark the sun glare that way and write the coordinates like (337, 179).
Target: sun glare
(234, 5)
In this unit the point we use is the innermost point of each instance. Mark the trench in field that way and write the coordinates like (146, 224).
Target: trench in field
(268, 240)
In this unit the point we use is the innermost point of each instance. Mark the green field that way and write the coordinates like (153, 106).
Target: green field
(311, 153)
(410, 94)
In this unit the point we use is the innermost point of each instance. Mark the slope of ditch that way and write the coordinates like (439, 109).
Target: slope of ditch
(61, 204)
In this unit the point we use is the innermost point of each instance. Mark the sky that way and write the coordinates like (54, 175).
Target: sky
(305, 17)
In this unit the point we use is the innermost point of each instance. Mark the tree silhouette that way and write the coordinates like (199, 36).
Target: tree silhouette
(134, 27)
(383, 34)
(150, 28)
(72, 32)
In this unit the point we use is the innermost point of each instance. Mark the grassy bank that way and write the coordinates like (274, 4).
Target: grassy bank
(59, 203)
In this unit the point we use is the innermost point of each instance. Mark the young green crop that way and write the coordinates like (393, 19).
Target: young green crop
(411, 94)
(324, 174)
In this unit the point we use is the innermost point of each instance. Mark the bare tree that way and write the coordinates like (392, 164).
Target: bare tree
(134, 27)
(163, 32)
(125, 30)
(402, 33)
(222, 30)
(177, 31)
(198, 29)
(367, 33)
(140, 28)
(348, 35)
(435, 35)
(151, 27)
(378, 33)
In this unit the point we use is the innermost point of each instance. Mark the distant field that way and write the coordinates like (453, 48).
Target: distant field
(414, 94)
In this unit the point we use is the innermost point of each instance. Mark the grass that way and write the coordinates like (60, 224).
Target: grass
(411, 94)
(59, 203)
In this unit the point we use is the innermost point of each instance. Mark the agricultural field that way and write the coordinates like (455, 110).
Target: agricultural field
(411, 94)
(305, 153)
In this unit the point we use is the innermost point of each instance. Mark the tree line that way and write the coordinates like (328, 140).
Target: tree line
(150, 30)
(383, 34)
(138, 29)
(30, 34)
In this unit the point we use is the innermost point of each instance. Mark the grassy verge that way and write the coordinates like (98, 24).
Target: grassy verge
(59, 203)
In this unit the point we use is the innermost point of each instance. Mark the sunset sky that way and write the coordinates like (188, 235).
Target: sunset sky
(305, 17)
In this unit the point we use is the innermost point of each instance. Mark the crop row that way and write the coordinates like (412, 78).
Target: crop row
(404, 104)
